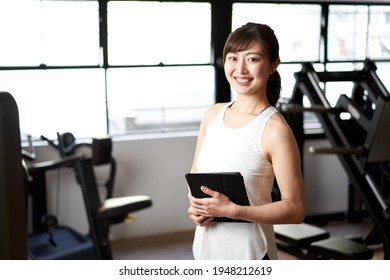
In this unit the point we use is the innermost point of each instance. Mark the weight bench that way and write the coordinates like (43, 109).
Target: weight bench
(310, 242)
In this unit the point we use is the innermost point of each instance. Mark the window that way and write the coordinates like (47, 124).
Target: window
(151, 99)
(150, 33)
(356, 33)
(379, 32)
(347, 32)
(58, 100)
(145, 66)
(368, 32)
(174, 41)
(51, 33)
(299, 35)
(37, 54)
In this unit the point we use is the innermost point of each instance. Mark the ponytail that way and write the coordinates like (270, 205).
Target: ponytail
(274, 86)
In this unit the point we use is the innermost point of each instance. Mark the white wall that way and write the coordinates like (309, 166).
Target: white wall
(326, 182)
(156, 167)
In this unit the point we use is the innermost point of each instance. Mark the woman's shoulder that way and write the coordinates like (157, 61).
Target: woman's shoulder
(213, 111)
(210, 114)
(217, 107)
(277, 127)
(278, 137)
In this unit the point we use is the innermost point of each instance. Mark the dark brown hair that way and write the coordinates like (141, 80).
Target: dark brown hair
(243, 37)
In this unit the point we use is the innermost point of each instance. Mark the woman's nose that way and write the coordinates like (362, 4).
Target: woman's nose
(241, 66)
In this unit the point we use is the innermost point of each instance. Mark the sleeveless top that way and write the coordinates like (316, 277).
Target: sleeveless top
(227, 149)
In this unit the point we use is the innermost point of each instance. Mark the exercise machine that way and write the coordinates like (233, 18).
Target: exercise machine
(310, 242)
(52, 241)
(360, 141)
(13, 218)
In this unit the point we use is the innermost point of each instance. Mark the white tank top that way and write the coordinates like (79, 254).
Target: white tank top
(237, 149)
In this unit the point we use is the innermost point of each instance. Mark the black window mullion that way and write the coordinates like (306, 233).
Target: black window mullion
(103, 31)
(221, 21)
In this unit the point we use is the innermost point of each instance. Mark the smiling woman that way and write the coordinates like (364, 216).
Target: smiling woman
(247, 135)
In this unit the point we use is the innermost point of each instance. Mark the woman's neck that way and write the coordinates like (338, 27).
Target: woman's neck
(249, 106)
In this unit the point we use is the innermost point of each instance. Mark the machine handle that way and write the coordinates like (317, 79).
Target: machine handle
(335, 150)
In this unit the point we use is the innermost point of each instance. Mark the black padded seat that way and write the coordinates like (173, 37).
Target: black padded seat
(300, 235)
(341, 248)
(310, 242)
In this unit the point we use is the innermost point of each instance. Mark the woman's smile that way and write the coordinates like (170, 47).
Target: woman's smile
(243, 81)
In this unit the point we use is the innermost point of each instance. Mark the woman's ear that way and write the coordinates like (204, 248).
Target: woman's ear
(275, 64)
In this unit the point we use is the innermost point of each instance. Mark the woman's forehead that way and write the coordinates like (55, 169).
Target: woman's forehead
(253, 47)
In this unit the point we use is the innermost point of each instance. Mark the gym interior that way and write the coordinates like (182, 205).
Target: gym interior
(100, 102)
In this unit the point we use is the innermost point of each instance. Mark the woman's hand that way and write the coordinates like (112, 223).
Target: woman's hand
(217, 205)
(198, 219)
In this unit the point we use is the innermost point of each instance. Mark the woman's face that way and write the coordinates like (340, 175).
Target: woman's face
(248, 71)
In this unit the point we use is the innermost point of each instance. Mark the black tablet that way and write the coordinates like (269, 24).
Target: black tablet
(229, 183)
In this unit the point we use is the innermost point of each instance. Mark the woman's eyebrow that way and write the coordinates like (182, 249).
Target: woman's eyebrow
(255, 53)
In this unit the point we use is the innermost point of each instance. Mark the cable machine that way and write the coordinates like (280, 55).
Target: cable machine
(360, 141)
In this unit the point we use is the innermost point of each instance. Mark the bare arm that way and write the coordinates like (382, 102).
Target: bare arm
(280, 148)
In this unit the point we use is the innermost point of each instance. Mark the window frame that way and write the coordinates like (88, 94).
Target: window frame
(221, 23)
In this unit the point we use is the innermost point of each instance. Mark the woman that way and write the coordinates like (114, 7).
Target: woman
(249, 136)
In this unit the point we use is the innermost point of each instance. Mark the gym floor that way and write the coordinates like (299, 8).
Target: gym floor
(177, 245)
